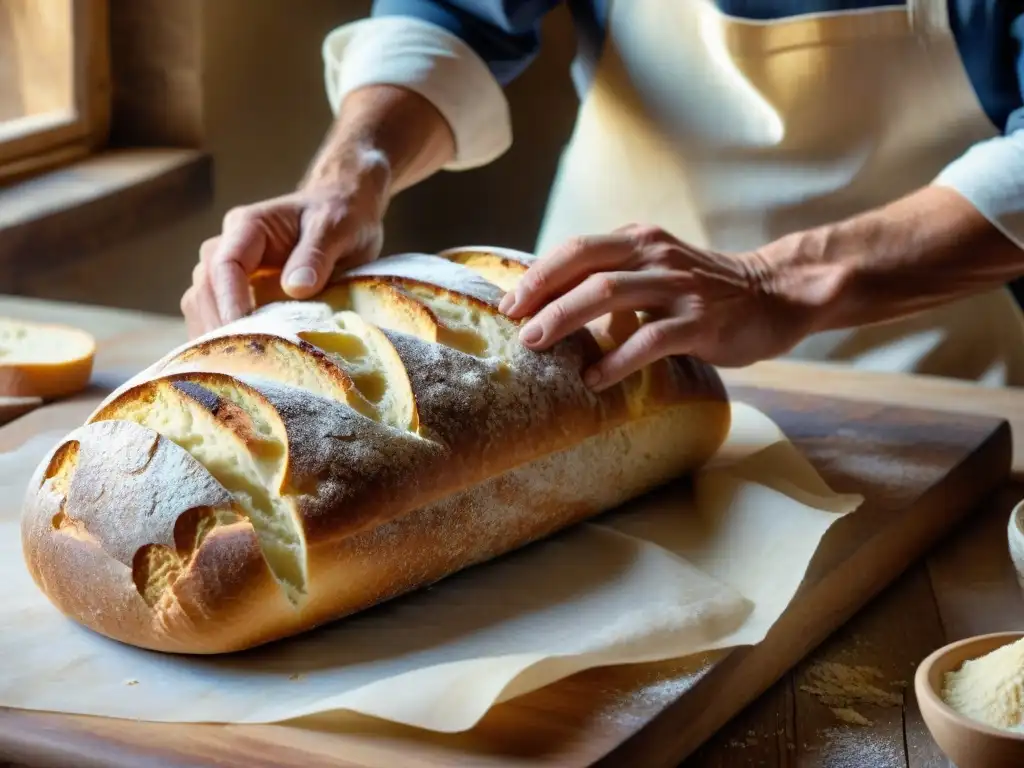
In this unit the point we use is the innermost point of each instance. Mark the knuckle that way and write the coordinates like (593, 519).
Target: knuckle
(536, 280)
(327, 216)
(576, 246)
(661, 255)
(237, 217)
(338, 208)
(603, 286)
(646, 235)
(208, 248)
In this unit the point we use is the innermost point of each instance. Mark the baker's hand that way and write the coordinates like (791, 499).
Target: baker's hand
(307, 233)
(724, 309)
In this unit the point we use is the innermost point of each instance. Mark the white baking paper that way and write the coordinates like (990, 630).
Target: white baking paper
(677, 573)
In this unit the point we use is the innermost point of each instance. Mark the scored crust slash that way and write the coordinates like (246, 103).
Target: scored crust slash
(319, 457)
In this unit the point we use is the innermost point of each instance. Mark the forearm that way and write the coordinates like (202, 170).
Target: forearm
(383, 129)
(923, 250)
(434, 63)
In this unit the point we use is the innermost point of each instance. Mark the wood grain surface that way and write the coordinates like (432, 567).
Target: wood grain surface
(930, 392)
(965, 587)
(921, 473)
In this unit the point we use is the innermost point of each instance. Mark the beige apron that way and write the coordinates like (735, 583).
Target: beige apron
(731, 133)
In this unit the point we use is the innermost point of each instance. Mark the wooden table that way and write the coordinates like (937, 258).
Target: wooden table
(965, 587)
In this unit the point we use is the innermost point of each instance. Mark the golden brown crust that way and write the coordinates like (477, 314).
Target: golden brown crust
(238, 490)
(260, 354)
(502, 266)
(83, 530)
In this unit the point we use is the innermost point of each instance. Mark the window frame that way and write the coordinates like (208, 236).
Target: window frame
(38, 142)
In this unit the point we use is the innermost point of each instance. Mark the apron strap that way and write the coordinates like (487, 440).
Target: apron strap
(929, 17)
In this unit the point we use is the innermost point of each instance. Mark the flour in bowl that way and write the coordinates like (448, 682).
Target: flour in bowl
(990, 689)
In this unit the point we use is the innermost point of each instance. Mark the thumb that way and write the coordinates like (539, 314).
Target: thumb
(318, 253)
(310, 264)
(325, 237)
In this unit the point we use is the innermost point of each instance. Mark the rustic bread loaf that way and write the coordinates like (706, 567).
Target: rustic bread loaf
(317, 458)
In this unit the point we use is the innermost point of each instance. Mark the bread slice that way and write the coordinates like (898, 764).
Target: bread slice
(318, 457)
(43, 360)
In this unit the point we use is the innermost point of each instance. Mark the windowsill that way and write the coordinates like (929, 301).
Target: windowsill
(96, 202)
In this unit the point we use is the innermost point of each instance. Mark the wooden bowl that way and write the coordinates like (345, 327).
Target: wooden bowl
(968, 743)
(1015, 541)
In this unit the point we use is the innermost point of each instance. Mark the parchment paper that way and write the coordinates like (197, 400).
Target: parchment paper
(677, 573)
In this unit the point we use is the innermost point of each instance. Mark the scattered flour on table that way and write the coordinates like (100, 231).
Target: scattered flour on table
(841, 688)
(851, 716)
(990, 689)
(843, 748)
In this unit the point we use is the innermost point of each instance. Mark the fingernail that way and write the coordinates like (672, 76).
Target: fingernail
(592, 378)
(507, 302)
(530, 335)
(303, 277)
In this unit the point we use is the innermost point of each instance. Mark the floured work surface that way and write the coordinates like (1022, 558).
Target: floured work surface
(920, 472)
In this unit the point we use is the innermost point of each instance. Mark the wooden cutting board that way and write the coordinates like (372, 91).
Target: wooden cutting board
(920, 473)
(13, 407)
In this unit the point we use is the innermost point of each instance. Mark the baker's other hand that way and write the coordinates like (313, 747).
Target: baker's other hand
(726, 309)
(306, 233)
(385, 139)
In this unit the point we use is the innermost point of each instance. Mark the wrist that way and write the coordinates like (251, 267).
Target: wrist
(386, 136)
(918, 252)
(810, 273)
(348, 163)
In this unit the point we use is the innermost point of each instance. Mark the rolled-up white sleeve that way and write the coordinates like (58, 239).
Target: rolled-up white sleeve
(991, 175)
(430, 60)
